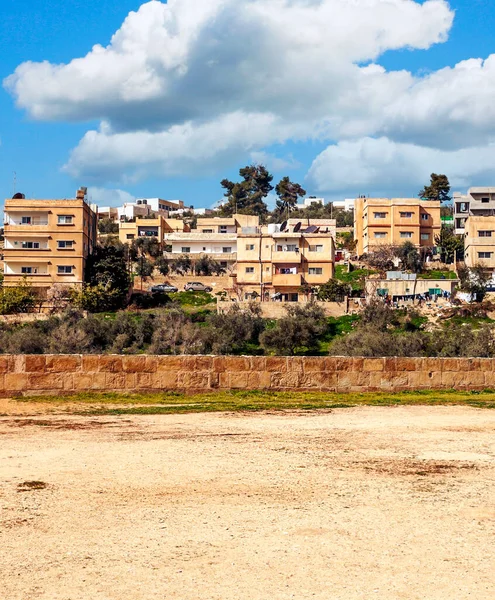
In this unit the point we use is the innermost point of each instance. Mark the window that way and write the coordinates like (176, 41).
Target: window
(186, 249)
(64, 270)
(288, 248)
(380, 234)
(380, 215)
(249, 246)
(65, 219)
(484, 254)
(249, 269)
(317, 248)
(425, 216)
(425, 236)
(224, 265)
(26, 220)
(484, 233)
(406, 234)
(31, 245)
(64, 245)
(227, 250)
(26, 270)
(485, 200)
(207, 230)
(315, 271)
(130, 236)
(223, 228)
(406, 215)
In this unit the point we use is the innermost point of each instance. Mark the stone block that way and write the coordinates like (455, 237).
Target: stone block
(63, 363)
(114, 381)
(296, 363)
(15, 382)
(405, 364)
(276, 364)
(169, 363)
(5, 364)
(45, 381)
(90, 381)
(90, 363)
(134, 364)
(143, 381)
(315, 364)
(239, 381)
(198, 381)
(110, 364)
(34, 363)
(349, 379)
(219, 364)
(285, 380)
(373, 364)
(418, 380)
(234, 364)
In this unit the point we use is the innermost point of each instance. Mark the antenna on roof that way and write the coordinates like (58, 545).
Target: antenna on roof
(14, 183)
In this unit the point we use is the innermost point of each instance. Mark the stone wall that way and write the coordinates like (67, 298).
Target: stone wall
(277, 310)
(63, 374)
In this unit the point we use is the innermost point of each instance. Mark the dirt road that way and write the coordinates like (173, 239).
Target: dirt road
(386, 503)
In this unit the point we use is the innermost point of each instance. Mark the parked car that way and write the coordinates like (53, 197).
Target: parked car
(163, 288)
(197, 286)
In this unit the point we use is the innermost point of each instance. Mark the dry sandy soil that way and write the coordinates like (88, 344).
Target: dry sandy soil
(385, 503)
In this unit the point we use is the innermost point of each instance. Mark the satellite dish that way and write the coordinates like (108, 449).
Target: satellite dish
(283, 227)
(18, 196)
(297, 227)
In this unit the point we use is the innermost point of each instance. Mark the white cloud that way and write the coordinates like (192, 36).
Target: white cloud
(274, 163)
(109, 197)
(381, 167)
(190, 85)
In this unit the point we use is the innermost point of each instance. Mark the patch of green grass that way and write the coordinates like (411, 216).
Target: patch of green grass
(473, 322)
(354, 278)
(437, 274)
(255, 400)
(192, 298)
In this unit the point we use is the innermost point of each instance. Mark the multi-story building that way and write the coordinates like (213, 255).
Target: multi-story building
(158, 205)
(394, 221)
(152, 226)
(323, 225)
(214, 237)
(276, 264)
(478, 202)
(48, 241)
(479, 241)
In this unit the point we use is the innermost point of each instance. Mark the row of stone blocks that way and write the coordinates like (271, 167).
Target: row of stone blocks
(26, 374)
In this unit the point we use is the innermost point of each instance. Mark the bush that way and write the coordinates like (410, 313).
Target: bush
(231, 332)
(300, 329)
(17, 299)
(106, 225)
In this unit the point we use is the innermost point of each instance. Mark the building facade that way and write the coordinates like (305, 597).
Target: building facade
(214, 237)
(47, 242)
(157, 226)
(478, 202)
(276, 265)
(379, 221)
(479, 241)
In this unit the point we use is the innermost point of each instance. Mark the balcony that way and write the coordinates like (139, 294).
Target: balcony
(287, 256)
(289, 280)
(218, 256)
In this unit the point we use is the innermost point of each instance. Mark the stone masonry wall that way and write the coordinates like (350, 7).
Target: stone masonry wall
(65, 374)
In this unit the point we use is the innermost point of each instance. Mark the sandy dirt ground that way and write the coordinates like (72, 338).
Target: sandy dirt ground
(385, 503)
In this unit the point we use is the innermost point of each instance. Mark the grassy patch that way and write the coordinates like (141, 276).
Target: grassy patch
(242, 401)
(192, 298)
(437, 274)
(354, 278)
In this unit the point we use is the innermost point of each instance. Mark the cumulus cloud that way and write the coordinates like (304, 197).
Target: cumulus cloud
(382, 167)
(109, 197)
(186, 86)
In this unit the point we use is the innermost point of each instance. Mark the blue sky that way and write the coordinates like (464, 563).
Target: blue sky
(333, 149)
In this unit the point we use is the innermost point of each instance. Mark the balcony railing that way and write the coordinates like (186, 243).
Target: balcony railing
(287, 256)
(287, 279)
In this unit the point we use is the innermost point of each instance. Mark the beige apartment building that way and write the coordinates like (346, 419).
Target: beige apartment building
(47, 242)
(479, 241)
(214, 237)
(275, 264)
(395, 221)
(158, 226)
